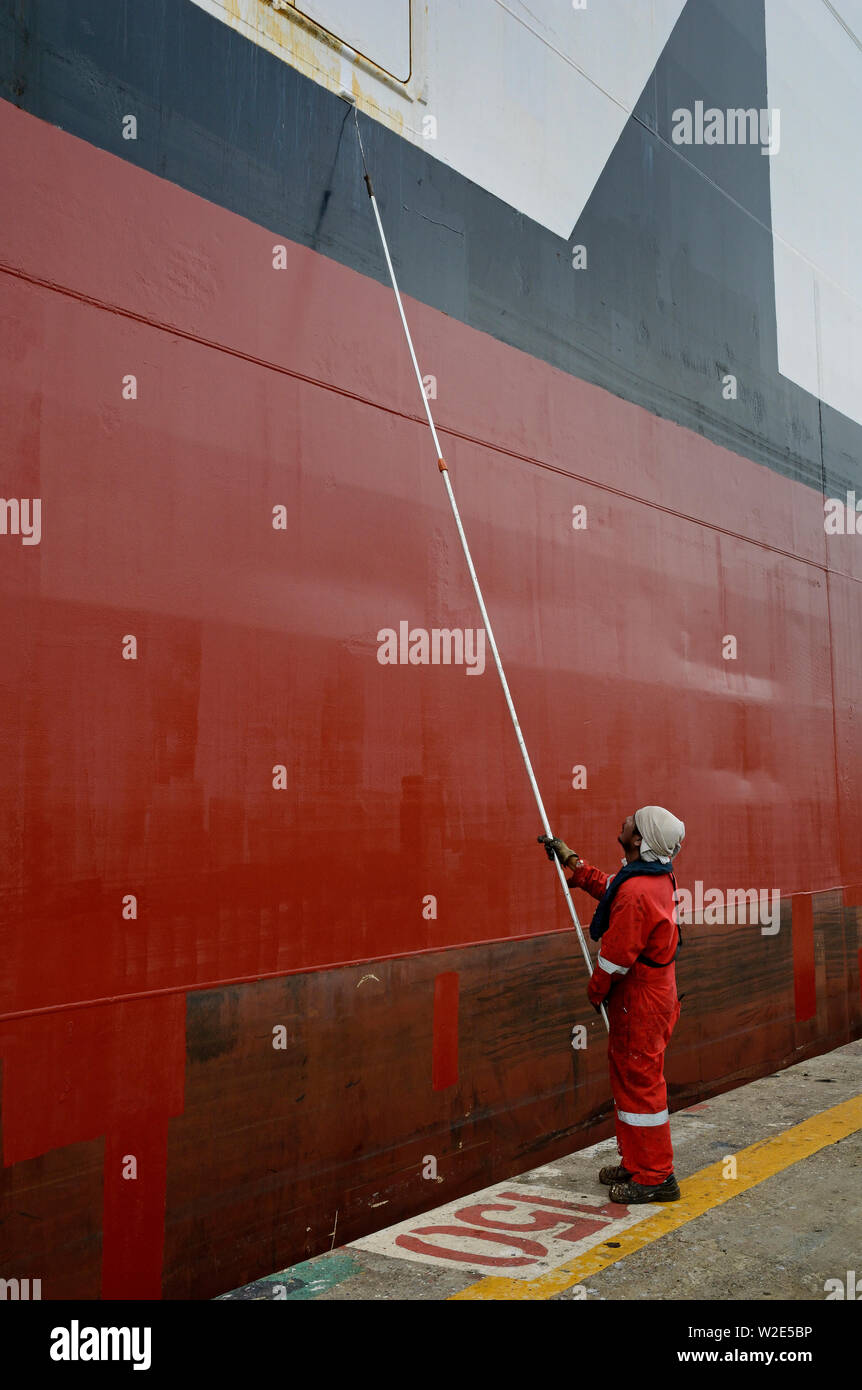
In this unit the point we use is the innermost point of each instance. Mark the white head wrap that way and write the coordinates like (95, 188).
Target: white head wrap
(661, 833)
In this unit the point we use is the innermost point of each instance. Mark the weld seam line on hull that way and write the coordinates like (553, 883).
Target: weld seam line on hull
(258, 977)
(452, 431)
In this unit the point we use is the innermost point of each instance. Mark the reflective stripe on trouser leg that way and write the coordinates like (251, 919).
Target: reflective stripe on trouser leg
(646, 1121)
(637, 1084)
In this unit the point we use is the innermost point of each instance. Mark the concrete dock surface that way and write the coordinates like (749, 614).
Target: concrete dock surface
(770, 1211)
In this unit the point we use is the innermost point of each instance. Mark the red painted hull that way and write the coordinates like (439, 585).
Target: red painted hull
(257, 647)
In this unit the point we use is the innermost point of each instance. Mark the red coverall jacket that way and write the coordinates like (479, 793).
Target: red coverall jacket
(642, 1009)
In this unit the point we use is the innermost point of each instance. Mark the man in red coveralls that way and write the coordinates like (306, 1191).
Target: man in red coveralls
(635, 976)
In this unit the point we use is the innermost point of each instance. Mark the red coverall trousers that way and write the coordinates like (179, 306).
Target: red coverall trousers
(642, 1009)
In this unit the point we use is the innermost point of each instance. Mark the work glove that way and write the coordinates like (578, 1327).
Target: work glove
(555, 846)
(594, 994)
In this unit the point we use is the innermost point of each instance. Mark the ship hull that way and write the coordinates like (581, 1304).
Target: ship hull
(345, 952)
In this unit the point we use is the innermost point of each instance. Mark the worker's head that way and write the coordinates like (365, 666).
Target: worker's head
(651, 833)
(660, 832)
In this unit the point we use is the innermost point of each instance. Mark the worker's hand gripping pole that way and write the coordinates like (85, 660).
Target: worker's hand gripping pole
(467, 556)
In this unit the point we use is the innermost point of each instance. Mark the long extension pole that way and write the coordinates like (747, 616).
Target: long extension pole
(468, 557)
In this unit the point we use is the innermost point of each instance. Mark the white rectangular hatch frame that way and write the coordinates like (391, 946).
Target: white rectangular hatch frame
(378, 29)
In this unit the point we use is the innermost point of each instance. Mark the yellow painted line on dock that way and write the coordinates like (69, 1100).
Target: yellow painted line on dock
(701, 1192)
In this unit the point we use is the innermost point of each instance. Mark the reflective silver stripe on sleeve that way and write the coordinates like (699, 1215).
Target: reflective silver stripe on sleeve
(630, 1118)
(609, 966)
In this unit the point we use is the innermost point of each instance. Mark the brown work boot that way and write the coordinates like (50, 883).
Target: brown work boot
(615, 1173)
(629, 1193)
